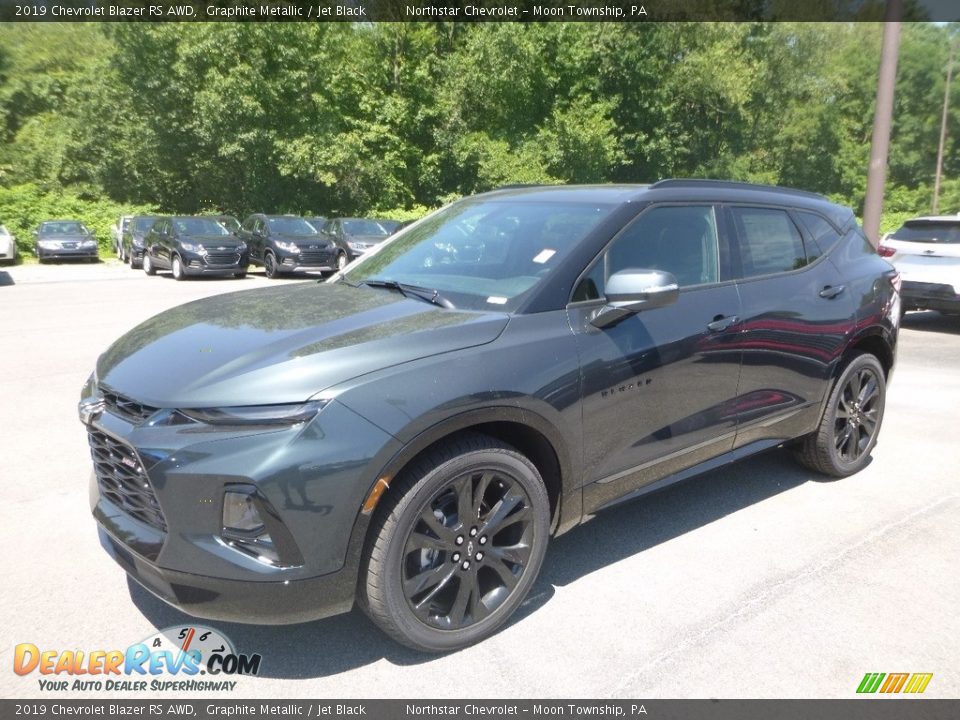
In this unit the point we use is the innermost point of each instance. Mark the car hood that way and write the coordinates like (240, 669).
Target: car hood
(214, 241)
(63, 238)
(304, 240)
(281, 345)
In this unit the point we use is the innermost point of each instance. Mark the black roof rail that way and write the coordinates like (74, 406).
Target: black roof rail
(704, 182)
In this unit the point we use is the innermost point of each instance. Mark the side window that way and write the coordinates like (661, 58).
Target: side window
(248, 224)
(260, 226)
(823, 232)
(678, 239)
(769, 242)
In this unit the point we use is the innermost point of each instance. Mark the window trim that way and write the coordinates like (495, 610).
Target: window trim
(601, 254)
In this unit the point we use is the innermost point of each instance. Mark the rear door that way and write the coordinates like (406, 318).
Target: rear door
(797, 318)
(657, 386)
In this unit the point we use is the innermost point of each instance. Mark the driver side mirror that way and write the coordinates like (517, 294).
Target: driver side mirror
(632, 290)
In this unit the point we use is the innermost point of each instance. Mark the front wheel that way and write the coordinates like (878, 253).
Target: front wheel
(148, 267)
(270, 266)
(848, 431)
(457, 545)
(176, 268)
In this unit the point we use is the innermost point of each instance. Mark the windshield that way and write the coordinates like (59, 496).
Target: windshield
(483, 254)
(364, 227)
(199, 226)
(62, 228)
(929, 231)
(229, 222)
(290, 226)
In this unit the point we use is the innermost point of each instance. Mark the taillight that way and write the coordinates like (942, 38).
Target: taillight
(886, 251)
(896, 281)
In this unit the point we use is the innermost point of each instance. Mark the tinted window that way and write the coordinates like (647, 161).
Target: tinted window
(769, 242)
(823, 233)
(364, 227)
(249, 223)
(199, 226)
(483, 254)
(290, 226)
(62, 228)
(929, 231)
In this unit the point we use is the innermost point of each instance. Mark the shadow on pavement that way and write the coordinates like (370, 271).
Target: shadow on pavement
(335, 645)
(931, 321)
(5, 279)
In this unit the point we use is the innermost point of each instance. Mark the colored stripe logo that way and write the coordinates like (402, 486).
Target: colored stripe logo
(894, 683)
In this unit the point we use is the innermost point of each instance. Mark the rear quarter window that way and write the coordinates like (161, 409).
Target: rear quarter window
(824, 234)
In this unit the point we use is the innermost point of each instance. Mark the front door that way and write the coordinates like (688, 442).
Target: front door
(657, 388)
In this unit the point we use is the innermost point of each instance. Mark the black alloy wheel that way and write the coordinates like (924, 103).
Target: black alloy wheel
(460, 547)
(270, 266)
(851, 421)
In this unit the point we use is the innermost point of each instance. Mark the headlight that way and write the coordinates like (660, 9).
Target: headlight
(193, 247)
(49, 244)
(358, 246)
(88, 243)
(288, 246)
(138, 241)
(91, 401)
(291, 414)
(242, 247)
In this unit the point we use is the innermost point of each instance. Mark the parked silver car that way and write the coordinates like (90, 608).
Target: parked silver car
(8, 246)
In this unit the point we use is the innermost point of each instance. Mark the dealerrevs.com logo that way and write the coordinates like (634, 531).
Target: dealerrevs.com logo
(178, 652)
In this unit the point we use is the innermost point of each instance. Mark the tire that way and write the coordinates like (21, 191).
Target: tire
(133, 262)
(176, 269)
(342, 261)
(472, 577)
(147, 264)
(851, 421)
(122, 254)
(270, 266)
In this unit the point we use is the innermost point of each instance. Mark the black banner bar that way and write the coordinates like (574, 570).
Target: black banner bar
(874, 708)
(476, 11)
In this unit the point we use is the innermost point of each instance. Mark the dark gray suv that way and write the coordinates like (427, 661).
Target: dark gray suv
(409, 434)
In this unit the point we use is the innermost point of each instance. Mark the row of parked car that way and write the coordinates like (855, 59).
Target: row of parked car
(188, 245)
(221, 245)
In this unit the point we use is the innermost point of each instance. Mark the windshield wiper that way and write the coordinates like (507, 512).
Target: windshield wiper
(422, 293)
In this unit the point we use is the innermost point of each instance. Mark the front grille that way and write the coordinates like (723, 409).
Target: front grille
(222, 258)
(126, 408)
(315, 257)
(122, 479)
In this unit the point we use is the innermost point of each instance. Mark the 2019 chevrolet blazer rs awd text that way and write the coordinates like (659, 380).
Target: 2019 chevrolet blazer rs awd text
(410, 433)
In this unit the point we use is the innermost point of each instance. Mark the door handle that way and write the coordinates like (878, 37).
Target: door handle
(831, 291)
(721, 323)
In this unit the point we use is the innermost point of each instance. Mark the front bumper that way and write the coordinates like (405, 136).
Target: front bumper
(215, 263)
(929, 296)
(315, 476)
(307, 261)
(66, 253)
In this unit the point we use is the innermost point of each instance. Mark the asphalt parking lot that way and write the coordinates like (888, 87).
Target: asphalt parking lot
(761, 580)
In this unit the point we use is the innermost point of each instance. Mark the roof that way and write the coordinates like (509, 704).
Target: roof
(681, 190)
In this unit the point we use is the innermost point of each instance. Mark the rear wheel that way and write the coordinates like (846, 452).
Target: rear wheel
(456, 545)
(848, 431)
(148, 267)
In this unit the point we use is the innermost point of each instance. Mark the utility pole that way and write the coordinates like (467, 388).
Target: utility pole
(943, 128)
(882, 121)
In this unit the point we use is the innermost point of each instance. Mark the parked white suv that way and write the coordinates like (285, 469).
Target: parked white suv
(926, 251)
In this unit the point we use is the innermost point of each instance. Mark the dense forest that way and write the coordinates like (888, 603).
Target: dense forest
(397, 118)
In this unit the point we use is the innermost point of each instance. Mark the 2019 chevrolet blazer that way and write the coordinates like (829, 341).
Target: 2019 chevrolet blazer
(410, 433)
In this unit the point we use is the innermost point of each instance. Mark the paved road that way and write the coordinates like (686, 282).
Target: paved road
(762, 580)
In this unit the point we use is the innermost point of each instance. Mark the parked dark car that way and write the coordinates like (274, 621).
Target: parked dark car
(190, 246)
(285, 244)
(65, 240)
(132, 242)
(358, 234)
(409, 434)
